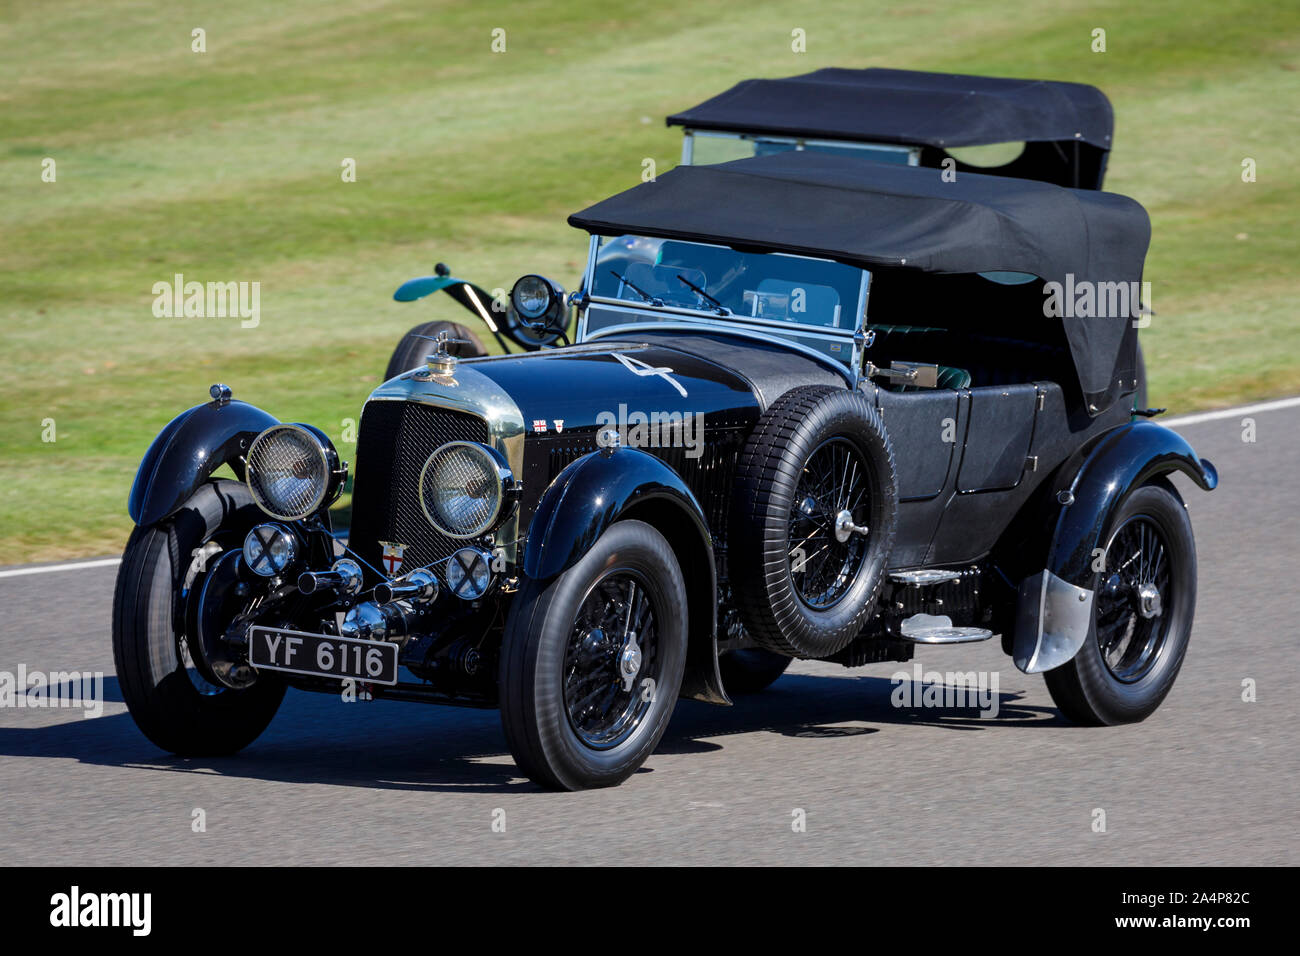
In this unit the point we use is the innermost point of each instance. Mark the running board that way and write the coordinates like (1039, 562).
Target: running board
(924, 577)
(939, 629)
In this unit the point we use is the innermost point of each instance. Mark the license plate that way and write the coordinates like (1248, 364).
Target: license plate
(322, 655)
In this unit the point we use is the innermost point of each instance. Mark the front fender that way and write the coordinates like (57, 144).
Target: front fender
(188, 450)
(1054, 611)
(604, 486)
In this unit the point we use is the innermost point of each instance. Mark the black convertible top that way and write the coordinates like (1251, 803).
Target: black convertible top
(879, 215)
(909, 107)
(934, 110)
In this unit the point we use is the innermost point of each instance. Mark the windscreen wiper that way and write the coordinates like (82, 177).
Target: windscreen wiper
(646, 296)
(718, 307)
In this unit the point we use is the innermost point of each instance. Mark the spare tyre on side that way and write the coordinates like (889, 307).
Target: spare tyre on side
(420, 342)
(813, 520)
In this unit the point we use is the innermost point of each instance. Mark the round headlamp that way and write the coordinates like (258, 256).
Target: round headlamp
(293, 471)
(469, 573)
(269, 549)
(537, 300)
(464, 487)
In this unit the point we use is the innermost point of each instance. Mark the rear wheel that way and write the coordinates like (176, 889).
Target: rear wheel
(419, 343)
(592, 662)
(172, 704)
(1142, 615)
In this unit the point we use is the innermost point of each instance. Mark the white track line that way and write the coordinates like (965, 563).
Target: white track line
(47, 568)
(1172, 422)
(1229, 412)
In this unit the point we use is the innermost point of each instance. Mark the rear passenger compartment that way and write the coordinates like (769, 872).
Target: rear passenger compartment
(943, 320)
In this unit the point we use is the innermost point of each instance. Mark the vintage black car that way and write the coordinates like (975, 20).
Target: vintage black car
(817, 408)
(1063, 133)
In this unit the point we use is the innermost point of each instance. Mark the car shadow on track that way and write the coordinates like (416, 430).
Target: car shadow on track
(319, 739)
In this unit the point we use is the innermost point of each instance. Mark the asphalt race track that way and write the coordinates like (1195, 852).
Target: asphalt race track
(1209, 779)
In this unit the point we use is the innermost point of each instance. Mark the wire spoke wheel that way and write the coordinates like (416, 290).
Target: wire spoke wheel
(592, 661)
(1131, 622)
(1143, 607)
(809, 537)
(828, 523)
(612, 652)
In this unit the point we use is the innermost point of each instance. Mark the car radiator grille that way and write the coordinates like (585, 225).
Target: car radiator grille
(395, 440)
(711, 476)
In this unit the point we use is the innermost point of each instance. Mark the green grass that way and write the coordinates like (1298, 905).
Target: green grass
(226, 166)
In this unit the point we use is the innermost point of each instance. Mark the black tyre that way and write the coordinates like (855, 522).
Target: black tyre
(813, 522)
(414, 349)
(591, 663)
(1142, 615)
(171, 703)
(750, 670)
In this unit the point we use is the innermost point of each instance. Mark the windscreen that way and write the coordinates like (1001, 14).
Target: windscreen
(659, 273)
(710, 148)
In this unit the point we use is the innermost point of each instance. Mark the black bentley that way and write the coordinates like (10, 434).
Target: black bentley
(817, 408)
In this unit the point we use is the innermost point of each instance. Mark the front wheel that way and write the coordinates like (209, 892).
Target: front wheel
(171, 703)
(1142, 615)
(592, 662)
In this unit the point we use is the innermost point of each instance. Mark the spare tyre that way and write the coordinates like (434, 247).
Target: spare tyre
(419, 343)
(813, 520)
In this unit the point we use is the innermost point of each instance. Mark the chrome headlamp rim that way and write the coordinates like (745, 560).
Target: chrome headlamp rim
(265, 534)
(332, 471)
(553, 308)
(505, 491)
(462, 586)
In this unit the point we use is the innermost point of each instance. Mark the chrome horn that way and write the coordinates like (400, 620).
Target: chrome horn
(418, 587)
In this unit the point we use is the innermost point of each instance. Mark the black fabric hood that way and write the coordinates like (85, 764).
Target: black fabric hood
(881, 215)
(909, 108)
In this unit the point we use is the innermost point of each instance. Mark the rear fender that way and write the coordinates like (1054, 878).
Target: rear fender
(1054, 606)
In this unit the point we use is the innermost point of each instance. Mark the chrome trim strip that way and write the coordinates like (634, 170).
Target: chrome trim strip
(860, 333)
(556, 351)
(588, 283)
(473, 392)
(753, 335)
(483, 313)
